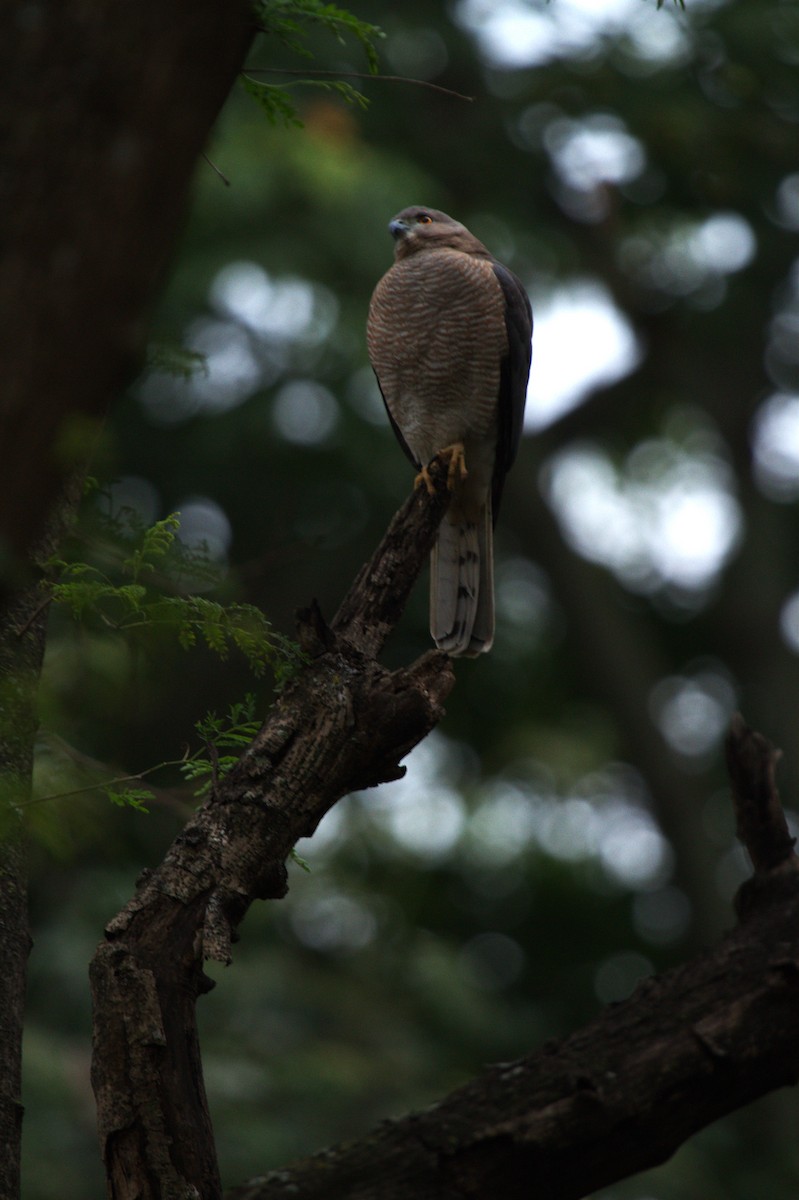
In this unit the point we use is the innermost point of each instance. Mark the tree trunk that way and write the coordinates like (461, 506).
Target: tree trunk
(103, 112)
(22, 637)
(104, 109)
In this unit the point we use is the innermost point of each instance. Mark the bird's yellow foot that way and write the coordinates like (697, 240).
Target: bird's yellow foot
(424, 478)
(457, 463)
(456, 471)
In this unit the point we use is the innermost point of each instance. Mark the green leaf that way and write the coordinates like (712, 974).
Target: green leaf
(289, 22)
(346, 91)
(131, 595)
(274, 100)
(83, 595)
(136, 798)
(234, 731)
(156, 542)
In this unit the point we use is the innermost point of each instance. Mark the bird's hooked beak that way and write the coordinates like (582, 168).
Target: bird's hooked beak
(397, 228)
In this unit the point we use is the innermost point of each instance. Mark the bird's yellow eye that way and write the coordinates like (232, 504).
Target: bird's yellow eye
(424, 219)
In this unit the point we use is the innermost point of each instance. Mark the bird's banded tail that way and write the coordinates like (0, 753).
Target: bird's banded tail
(462, 585)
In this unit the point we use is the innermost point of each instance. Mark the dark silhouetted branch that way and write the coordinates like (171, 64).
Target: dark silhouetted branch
(626, 1091)
(761, 825)
(342, 725)
(614, 1098)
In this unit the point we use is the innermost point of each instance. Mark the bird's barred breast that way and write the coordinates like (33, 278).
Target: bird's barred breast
(436, 336)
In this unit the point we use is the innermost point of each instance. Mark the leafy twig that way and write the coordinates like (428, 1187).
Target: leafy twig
(104, 785)
(134, 605)
(204, 767)
(312, 73)
(286, 21)
(234, 731)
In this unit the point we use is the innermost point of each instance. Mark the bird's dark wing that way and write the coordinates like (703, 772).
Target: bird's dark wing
(396, 428)
(514, 372)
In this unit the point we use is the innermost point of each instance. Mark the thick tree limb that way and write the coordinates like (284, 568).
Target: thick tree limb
(614, 1098)
(342, 725)
(625, 1092)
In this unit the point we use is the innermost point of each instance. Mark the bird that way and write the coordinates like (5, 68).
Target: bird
(449, 335)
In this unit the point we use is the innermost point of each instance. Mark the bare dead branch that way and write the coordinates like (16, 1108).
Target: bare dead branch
(617, 1097)
(626, 1091)
(344, 724)
(761, 825)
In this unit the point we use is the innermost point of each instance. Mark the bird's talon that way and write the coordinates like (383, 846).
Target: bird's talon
(424, 478)
(457, 471)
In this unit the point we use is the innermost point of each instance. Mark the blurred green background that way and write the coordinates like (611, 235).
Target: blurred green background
(566, 830)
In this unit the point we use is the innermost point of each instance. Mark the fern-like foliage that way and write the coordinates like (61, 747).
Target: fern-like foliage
(127, 797)
(143, 590)
(201, 767)
(232, 732)
(290, 22)
(135, 602)
(275, 100)
(222, 741)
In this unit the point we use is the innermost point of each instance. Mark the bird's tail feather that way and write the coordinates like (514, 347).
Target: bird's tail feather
(462, 585)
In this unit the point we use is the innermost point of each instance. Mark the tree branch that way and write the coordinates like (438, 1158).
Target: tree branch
(342, 725)
(625, 1092)
(314, 73)
(616, 1097)
(762, 828)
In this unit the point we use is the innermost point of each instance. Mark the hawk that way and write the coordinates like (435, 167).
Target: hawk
(449, 336)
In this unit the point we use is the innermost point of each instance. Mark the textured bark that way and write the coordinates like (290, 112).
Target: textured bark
(616, 1097)
(342, 725)
(762, 827)
(622, 1094)
(104, 109)
(14, 949)
(22, 638)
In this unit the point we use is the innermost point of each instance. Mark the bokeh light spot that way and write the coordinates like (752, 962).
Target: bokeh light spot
(582, 315)
(775, 445)
(305, 412)
(491, 961)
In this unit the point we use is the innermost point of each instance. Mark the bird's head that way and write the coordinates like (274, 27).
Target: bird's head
(419, 228)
